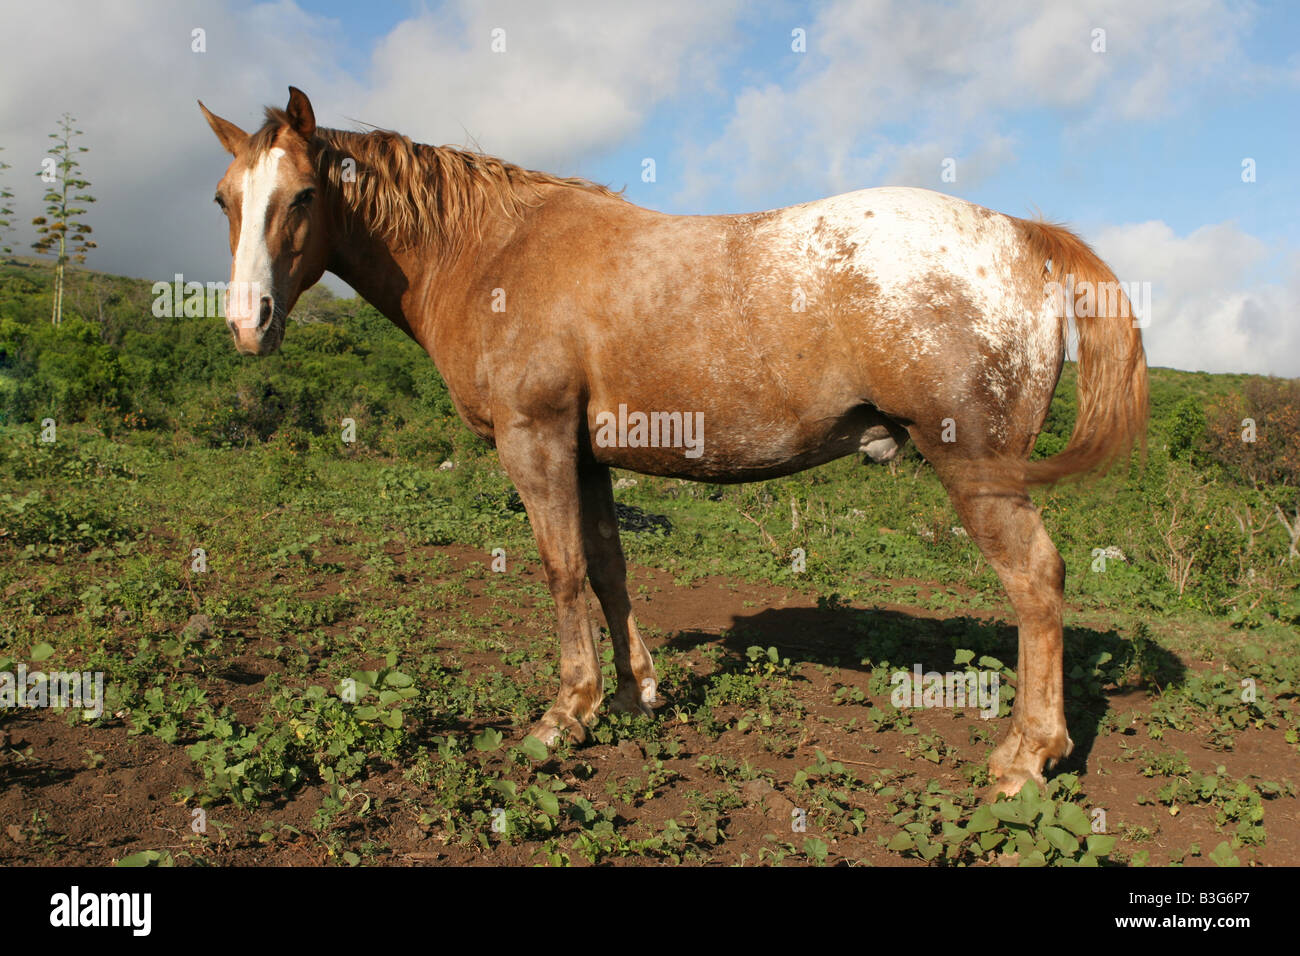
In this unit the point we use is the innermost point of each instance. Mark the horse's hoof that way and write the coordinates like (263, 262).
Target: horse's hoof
(1069, 749)
(1010, 784)
(629, 699)
(553, 728)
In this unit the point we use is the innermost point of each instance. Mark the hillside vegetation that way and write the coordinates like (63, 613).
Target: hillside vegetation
(199, 531)
(1203, 525)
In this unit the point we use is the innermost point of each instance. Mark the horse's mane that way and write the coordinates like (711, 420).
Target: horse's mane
(412, 194)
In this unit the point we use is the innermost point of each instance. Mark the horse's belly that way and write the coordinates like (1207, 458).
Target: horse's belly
(725, 444)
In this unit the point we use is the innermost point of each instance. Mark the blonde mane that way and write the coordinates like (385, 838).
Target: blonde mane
(410, 194)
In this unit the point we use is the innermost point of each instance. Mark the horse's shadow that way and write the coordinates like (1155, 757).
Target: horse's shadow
(833, 634)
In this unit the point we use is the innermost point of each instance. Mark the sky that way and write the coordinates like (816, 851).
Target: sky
(1166, 132)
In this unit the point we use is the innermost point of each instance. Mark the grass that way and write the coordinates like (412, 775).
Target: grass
(300, 621)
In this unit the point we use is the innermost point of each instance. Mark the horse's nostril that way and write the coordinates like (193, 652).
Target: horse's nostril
(232, 325)
(265, 318)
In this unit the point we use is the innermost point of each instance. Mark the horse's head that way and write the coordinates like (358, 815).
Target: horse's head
(277, 229)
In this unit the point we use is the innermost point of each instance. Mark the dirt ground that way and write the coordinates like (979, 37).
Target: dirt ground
(71, 794)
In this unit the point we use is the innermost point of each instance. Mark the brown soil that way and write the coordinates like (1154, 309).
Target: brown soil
(56, 808)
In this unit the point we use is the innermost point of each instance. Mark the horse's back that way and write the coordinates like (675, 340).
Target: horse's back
(787, 329)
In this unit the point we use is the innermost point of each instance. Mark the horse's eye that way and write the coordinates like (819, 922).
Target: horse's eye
(219, 201)
(303, 198)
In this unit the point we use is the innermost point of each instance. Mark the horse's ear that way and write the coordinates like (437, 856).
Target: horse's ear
(301, 117)
(231, 136)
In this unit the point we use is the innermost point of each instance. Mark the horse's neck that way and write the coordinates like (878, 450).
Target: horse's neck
(381, 277)
(410, 287)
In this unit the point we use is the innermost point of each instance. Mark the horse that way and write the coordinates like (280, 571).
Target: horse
(577, 332)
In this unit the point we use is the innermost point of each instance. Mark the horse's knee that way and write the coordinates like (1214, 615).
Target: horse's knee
(1047, 561)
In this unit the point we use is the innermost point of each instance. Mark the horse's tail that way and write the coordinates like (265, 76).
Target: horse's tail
(1112, 387)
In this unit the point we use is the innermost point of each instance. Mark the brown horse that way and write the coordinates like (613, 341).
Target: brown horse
(577, 332)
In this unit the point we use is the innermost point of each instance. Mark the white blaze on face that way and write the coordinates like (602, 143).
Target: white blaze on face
(250, 277)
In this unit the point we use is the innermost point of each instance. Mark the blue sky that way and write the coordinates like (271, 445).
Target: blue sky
(1182, 167)
(1139, 147)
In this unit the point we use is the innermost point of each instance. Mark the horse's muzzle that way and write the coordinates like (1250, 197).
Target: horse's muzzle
(257, 335)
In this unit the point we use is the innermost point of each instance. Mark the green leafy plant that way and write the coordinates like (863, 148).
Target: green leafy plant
(61, 227)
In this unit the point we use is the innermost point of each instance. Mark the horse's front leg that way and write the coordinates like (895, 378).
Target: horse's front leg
(543, 464)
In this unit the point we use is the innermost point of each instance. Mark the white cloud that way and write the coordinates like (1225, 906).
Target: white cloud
(584, 77)
(129, 76)
(576, 78)
(1222, 300)
(950, 72)
(920, 164)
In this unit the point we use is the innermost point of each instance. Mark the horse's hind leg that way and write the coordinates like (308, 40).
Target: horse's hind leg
(607, 571)
(1009, 532)
(543, 464)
